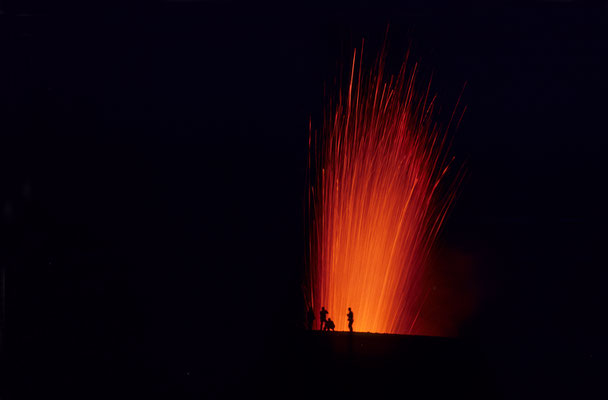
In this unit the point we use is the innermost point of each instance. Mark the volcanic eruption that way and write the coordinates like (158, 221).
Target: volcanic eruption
(378, 193)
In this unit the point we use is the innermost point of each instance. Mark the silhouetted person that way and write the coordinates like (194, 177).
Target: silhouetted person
(351, 319)
(329, 325)
(310, 317)
(323, 314)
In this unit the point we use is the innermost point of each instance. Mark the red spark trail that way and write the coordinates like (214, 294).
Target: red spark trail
(375, 203)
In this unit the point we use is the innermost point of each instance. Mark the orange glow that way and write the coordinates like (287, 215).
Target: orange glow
(375, 201)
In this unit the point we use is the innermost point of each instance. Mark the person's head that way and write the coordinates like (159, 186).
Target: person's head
(348, 308)
(322, 308)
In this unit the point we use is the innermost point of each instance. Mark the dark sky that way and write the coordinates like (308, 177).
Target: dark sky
(152, 168)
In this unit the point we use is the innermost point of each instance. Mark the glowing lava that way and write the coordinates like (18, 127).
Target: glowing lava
(375, 201)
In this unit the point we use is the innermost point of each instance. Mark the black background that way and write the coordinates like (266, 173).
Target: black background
(152, 169)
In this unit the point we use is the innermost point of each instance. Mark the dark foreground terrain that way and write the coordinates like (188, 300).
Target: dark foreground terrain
(363, 365)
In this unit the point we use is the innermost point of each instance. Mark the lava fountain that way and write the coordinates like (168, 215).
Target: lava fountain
(378, 194)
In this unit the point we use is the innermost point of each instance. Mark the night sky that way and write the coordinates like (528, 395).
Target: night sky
(152, 181)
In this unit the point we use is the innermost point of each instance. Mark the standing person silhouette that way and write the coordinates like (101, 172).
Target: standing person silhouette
(351, 319)
(310, 317)
(323, 314)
